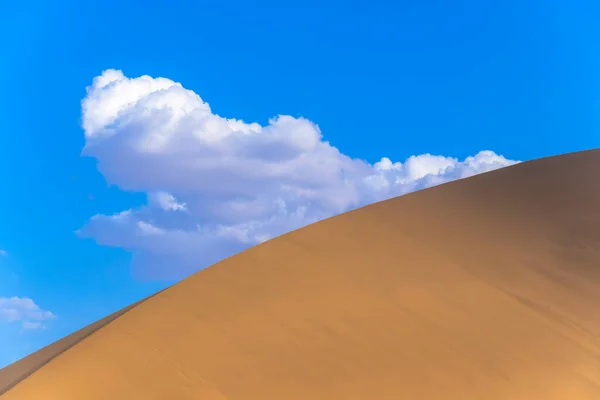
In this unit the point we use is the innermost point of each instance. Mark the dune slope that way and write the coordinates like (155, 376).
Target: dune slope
(16, 372)
(484, 288)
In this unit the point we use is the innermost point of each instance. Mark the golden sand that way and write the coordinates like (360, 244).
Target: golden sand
(484, 288)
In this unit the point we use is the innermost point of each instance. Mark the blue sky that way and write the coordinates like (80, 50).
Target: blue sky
(379, 78)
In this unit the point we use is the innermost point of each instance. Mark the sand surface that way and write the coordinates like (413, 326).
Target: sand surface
(484, 288)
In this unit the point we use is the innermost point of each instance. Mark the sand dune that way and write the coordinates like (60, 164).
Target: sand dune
(16, 372)
(484, 288)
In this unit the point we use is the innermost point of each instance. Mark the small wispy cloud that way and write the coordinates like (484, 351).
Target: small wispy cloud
(2, 253)
(28, 325)
(24, 310)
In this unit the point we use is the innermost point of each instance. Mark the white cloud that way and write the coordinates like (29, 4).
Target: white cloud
(216, 185)
(24, 310)
(2, 253)
(28, 326)
(166, 201)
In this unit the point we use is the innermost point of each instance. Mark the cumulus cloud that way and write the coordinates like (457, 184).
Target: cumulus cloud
(218, 185)
(23, 310)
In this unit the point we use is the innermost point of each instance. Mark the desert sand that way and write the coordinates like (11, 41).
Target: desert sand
(483, 288)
